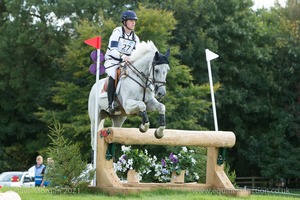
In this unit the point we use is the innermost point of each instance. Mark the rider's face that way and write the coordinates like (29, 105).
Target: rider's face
(130, 24)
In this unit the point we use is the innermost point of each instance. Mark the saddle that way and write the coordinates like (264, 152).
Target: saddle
(118, 76)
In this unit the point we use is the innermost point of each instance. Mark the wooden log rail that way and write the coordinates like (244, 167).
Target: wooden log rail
(172, 137)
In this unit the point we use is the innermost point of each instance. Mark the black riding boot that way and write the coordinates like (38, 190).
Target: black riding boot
(111, 94)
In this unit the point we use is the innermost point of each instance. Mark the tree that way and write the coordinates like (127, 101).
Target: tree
(259, 77)
(256, 70)
(33, 35)
(66, 169)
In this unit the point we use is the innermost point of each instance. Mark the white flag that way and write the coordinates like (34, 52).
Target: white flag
(210, 55)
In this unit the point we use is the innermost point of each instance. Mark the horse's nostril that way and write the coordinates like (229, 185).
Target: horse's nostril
(161, 94)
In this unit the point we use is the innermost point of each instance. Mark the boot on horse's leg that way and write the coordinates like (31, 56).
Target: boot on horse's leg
(111, 95)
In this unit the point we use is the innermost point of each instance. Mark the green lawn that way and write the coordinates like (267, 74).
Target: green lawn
(54, 194)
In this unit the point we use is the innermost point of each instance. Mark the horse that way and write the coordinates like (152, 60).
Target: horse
(142, 81)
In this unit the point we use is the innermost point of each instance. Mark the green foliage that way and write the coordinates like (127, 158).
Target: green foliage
(31, 43)
(162, 24)
(71, 93)
(67, 169)
(230, 174)
(262, 98)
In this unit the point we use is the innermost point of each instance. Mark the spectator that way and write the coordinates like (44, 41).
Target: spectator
(38, 170)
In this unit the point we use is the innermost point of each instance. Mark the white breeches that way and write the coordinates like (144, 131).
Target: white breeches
(111, 67)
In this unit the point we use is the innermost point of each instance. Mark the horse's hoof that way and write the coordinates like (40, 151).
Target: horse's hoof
(141, 129)
(144, 127)
(158, 136)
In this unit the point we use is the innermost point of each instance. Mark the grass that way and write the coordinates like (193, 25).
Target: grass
(55, 194)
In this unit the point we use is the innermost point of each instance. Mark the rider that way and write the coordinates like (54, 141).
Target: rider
(121, 44)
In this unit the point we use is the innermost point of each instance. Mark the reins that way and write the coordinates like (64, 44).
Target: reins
(147, 82)
(141, 76)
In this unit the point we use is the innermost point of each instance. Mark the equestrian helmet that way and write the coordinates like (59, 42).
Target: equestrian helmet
(129, 14)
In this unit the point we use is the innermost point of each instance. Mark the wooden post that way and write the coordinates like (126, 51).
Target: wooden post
(106, 176)
(215, 175)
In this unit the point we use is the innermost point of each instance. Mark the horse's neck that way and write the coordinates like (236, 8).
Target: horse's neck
(143, 65)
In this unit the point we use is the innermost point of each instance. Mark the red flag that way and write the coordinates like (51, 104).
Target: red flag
(94, 42)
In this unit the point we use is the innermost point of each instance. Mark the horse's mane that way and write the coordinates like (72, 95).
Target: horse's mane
(142, 49)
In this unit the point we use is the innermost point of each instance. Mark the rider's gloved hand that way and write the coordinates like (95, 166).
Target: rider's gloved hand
(125, 58)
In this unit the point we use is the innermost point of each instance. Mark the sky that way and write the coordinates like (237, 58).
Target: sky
(266, 3)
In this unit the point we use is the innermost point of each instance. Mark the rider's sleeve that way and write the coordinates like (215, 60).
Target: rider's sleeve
(113, 43)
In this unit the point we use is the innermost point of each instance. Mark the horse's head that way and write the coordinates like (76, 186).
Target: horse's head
(155, 68)
(160, 67)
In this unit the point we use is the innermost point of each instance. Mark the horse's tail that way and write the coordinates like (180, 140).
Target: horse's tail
(91, 109)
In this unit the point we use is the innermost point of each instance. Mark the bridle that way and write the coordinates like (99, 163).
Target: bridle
(147, 81)
(154, 81)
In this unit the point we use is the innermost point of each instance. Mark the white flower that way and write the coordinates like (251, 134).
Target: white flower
(184, 149)
(125, 149)
(187, 172)
(193, 161)
(154, 158)
(196, 175)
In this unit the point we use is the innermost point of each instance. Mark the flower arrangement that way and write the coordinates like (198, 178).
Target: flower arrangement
(184, 160)
(135, 159)
(143, 163)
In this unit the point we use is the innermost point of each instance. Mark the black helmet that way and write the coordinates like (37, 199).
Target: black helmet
(129, 14)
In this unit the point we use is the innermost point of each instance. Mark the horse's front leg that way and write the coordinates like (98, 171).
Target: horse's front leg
(159, 133)
(145, 122)
(132, 106)
(155, 105)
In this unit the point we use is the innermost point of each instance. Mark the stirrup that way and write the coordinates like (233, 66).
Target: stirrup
(111, 110)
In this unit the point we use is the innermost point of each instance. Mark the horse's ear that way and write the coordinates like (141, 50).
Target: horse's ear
(156, 57)
(168, 53)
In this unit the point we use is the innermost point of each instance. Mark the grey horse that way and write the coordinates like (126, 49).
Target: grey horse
(142, 81)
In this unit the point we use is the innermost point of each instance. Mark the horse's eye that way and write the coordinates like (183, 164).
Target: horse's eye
(156, 71)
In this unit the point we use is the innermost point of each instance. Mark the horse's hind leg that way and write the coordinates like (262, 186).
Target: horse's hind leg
(118, 120)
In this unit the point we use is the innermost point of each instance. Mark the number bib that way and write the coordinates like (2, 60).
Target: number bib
(126, 46)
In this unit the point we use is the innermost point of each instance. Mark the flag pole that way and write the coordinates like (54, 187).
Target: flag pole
(96, 115)
(96, 42)
(210, 56)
